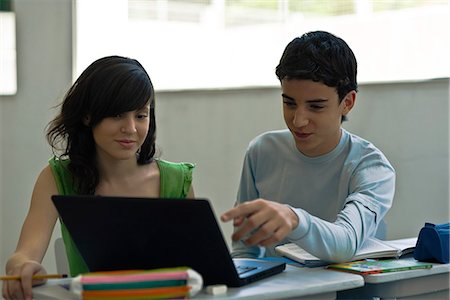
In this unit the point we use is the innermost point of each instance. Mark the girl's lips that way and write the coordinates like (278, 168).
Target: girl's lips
(128, 144)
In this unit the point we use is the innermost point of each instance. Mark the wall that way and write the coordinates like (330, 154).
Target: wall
(408, 121)
(213, 129)
(44, 70)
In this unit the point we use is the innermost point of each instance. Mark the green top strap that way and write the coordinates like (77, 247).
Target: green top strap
(175, 179)
(175, 182)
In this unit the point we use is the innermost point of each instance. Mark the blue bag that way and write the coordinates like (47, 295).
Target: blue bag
(433, 243)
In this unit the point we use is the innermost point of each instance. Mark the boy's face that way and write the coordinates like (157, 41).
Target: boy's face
(312, 113)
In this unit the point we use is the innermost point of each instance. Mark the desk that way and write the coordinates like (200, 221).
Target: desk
(294, 282)
(414, 284)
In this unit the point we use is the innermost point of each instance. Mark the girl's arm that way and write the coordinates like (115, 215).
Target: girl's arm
(191, 193)
(34, 238)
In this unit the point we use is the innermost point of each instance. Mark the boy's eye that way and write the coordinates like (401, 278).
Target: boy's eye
(289, 103)
(316, 106)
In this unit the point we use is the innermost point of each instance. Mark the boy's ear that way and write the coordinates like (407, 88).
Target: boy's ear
(348, 102)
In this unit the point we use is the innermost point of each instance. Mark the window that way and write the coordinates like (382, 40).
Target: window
(8, 72)
(194, 44)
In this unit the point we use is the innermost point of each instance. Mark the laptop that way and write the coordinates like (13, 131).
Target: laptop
(120, 233)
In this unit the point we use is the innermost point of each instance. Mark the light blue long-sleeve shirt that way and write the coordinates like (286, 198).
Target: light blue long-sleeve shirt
(340, 197)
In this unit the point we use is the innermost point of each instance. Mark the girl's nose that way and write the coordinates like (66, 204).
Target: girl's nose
(129, 125)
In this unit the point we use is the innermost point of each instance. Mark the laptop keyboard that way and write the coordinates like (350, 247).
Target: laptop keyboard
(244, 269)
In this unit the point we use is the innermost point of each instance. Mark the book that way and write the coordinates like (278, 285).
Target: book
(372, 266)
(372, 248)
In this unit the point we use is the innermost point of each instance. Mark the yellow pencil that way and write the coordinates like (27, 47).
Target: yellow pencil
(39, 276)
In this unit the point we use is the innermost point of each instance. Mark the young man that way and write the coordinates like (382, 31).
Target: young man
(314, 184)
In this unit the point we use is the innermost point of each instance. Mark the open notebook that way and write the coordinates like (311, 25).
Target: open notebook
(372, 248)
(119, 233)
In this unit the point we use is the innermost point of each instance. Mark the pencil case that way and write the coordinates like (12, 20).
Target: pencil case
(433, 243)
(168, 283)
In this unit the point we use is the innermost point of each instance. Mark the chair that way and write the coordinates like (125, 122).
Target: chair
(62, 264)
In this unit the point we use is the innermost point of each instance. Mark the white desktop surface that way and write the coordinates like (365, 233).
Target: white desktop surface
(294, 282)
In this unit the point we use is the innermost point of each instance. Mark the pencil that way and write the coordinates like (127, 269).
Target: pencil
(39, 276)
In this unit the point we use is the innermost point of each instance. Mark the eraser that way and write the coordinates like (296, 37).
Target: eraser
(217, 289)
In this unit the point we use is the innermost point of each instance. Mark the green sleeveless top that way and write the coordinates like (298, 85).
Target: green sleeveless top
(175, 182)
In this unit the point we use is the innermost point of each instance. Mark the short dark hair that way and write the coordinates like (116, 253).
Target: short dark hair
(109, 86)
(322, 57)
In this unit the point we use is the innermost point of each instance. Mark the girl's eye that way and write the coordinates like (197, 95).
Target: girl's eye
(142, 116)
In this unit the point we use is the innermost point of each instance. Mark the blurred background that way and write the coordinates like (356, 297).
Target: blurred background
(212, 63)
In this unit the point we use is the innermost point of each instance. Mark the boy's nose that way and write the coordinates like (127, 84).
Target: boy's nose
(300, 118)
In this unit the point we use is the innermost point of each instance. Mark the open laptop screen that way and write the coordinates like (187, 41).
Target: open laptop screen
(117, 233)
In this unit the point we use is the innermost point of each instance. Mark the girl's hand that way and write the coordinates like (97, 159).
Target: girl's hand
(22, 289)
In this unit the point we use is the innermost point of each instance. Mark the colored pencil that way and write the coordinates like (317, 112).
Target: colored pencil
(38, 276)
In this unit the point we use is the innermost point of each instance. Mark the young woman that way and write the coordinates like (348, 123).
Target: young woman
(105, 140)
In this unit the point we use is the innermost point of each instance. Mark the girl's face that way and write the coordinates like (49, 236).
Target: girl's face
(121, 136)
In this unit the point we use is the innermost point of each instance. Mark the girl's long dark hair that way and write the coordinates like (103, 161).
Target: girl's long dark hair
(109, 86)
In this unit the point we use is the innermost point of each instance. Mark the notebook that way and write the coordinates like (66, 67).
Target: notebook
(120, 233)
(371, 248)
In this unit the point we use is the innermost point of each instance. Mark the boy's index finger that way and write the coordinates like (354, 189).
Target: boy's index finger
(229, 215)
(235, 212)
(240, 211)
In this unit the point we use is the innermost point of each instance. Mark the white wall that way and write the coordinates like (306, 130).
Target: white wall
(213, 129)
(408, 121)
(44, 70)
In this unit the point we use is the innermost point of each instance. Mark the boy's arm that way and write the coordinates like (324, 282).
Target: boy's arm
(371, 195)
